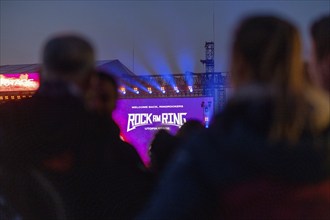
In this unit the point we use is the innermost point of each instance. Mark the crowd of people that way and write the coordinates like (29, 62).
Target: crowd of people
(266, 155)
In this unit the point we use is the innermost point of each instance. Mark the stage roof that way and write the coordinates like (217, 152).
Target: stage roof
(113, 66)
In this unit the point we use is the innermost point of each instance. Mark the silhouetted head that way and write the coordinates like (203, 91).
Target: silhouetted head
(103, 94)
(267, 64)
(320, 59)
(267, 51)
(162, 148)
(320, 32)
(68, 58)
(190, 128)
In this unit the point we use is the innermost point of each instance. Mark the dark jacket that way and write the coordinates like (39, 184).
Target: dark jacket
(76, 150)
(233, 151)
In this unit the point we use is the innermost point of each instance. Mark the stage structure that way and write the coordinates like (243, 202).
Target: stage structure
(147, 102)
(209, 57)
(152, 102)
(207, 84)
(22, 80)
(178, 85)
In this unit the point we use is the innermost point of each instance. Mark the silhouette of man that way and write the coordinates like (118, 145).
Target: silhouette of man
(53, 133)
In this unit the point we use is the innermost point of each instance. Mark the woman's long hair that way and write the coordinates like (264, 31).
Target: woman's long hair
(267, 51)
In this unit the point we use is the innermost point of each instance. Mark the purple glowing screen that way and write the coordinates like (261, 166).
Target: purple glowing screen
(140, 119)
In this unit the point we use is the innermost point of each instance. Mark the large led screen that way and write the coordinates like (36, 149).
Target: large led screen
(140, 119)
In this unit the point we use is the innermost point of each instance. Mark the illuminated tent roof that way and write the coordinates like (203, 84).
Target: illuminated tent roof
(113, 66)
(21, 68)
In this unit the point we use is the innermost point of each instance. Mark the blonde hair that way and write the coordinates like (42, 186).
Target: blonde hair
(267, 52)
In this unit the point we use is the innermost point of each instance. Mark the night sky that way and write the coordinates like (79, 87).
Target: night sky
(149, 37)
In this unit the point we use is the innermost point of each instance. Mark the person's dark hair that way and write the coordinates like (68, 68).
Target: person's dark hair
(320, 32)
(68, 55)
(190, 128)
(162, 149)
(106, 76)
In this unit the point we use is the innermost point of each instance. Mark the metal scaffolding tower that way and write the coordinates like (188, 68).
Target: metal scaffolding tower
(209, 57)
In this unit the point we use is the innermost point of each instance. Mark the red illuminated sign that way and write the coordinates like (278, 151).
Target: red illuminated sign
(19, 82)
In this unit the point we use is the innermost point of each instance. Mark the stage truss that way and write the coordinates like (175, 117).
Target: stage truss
(177, 85)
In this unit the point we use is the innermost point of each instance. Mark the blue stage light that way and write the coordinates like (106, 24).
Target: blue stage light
(136, 90)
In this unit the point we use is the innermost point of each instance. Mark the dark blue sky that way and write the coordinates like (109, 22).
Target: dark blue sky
(149, 37)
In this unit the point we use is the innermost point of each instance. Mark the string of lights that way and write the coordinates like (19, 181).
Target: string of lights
(184, 85)
(202, 84)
